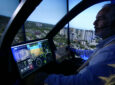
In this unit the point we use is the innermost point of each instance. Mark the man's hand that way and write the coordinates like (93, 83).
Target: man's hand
(62, 53)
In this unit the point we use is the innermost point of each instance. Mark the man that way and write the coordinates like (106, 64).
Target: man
(99, 69)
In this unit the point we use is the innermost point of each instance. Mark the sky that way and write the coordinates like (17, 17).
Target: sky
(51, 11)
(86, 18)
(7, 7)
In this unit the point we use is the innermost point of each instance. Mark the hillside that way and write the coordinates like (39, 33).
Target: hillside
(3, 22)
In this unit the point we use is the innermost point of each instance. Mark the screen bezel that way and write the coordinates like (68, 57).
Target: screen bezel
(52, 48)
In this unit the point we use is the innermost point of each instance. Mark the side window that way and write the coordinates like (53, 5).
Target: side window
(61, 39)
(6, 10)
(82, 32)
(20, 36)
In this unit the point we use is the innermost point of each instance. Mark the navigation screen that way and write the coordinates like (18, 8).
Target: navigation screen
(31, 56)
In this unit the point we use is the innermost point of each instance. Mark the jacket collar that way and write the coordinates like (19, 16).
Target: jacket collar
(106, 41)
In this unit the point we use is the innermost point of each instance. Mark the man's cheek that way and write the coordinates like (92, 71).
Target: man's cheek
(101, 24)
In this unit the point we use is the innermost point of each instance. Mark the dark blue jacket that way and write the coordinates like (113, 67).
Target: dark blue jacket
(100, 70)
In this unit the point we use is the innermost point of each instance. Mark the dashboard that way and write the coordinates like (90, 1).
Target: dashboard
(30, 57)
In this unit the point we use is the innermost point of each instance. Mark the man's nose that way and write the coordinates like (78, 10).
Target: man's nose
(95, 22)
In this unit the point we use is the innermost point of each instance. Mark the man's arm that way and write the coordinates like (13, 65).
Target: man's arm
(93, 74)
(84, 54)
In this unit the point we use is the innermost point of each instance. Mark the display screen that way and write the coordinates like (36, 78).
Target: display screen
(31, 56)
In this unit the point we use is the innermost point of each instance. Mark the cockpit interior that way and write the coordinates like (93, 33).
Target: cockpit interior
(31, 31)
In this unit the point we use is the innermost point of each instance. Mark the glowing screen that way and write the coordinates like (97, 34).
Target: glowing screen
(31, 56)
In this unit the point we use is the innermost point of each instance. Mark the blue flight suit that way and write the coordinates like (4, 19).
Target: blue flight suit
(98, 72)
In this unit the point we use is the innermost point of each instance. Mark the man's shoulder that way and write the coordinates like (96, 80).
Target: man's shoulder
(108, 50)
(109, 46)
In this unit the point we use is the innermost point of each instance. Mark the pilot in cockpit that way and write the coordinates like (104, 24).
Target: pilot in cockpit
(101, 64)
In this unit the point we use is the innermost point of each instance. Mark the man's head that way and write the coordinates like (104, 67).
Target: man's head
(105, 21)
